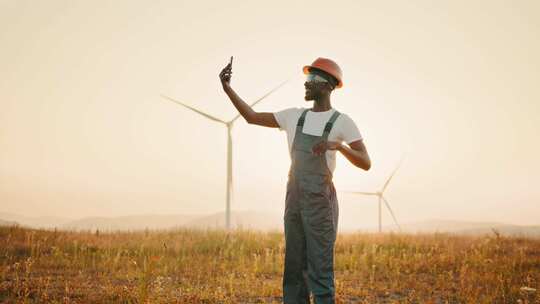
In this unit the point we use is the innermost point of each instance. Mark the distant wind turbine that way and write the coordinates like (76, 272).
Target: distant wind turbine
(379, 194)
(229, 124)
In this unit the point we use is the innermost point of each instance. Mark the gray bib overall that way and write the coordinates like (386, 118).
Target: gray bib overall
(311, 217)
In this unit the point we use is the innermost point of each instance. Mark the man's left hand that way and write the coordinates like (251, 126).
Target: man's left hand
(323, 146)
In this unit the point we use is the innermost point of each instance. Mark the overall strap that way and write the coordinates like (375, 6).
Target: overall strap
(301, 120)
(330, 124)
(298, 131)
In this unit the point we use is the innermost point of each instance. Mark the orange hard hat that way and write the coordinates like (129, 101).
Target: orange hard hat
(328, 66)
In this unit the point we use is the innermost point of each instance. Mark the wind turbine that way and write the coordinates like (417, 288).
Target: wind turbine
(381, 198)
(229, 124)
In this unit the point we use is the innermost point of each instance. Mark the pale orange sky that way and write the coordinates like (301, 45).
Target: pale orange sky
(83, 130)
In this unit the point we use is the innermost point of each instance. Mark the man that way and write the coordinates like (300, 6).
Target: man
(311, 206)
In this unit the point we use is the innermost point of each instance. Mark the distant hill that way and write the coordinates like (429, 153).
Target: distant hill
(136, 222)
(439, 225)
(256, 220)
(240, 219)
(507, 230)
(35, 222)
(466, 227)
(8, 223)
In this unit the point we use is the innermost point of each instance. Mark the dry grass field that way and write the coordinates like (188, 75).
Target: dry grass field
(209, 266)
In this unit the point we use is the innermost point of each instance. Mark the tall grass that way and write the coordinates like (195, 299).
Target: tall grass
(214, 266)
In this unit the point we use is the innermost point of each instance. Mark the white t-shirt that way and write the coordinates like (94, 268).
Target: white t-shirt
(343, 130)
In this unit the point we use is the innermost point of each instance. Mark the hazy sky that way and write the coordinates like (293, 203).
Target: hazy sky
(453, 84)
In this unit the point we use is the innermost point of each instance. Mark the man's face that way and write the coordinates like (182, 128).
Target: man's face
(316, 87)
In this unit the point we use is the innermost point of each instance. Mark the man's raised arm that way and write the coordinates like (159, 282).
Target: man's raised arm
(264, 119)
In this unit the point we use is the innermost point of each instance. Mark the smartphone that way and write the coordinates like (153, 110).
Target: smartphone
(230, 63)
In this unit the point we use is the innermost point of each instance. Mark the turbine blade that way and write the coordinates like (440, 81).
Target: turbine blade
(359, 192)
(261, 98)
(391, 212)
(392, 175)
(193, 109)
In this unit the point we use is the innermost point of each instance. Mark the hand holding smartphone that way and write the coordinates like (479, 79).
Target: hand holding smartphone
(225, 74)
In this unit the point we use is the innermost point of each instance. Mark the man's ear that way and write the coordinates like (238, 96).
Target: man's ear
(330, 86)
